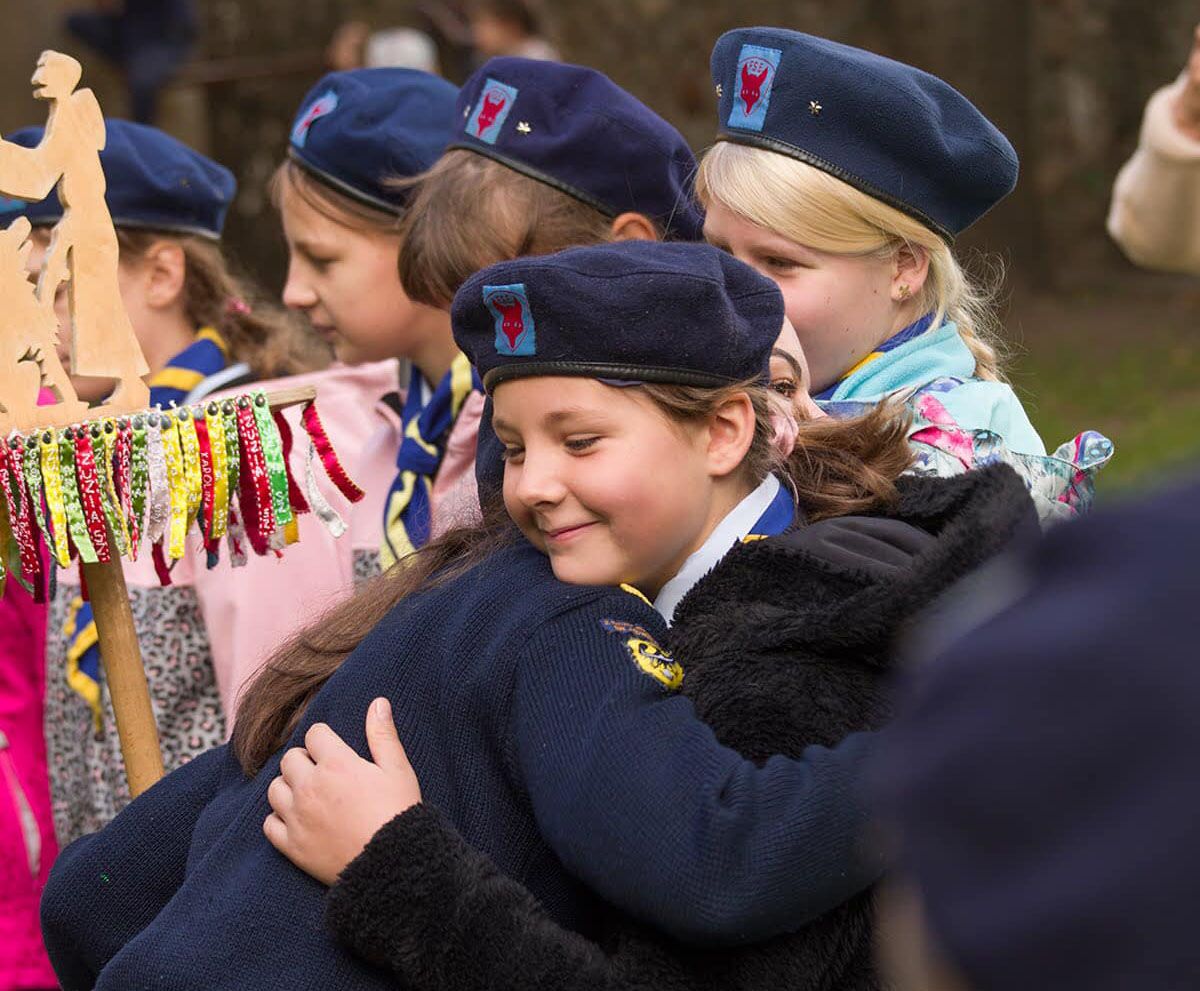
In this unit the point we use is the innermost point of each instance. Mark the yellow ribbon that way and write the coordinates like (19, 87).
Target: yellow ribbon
(220, 469)
(52, 482)
(177, 487)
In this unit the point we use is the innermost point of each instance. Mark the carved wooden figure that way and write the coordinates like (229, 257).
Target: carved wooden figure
(83, 251)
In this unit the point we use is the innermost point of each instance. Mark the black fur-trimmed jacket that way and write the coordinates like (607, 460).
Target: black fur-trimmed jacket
(785, 644)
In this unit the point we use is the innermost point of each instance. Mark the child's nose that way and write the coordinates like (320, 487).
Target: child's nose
(297, 293)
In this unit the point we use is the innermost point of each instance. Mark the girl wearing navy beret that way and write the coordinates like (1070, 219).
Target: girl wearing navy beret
(844, 177)
(356, 142)
(532, 678)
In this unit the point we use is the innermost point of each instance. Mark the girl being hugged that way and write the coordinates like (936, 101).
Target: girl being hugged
(845, 177)
(201, 327)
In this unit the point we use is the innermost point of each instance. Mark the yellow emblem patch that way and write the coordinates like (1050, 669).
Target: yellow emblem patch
(647, 654)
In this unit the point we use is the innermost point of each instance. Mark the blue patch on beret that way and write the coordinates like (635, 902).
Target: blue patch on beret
(491, 111)
(756, 74)
(355, 130)
(516, 333)
(322, 106)
(575, 129)
(890, 130)
(634, 311)
(153, 181)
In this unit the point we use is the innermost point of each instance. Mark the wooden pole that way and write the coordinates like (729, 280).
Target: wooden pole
(127, 687)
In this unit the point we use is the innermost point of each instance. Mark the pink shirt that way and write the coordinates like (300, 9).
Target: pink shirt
(250, 611)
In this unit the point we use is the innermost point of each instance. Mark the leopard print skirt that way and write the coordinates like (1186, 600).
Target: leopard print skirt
(87, 773)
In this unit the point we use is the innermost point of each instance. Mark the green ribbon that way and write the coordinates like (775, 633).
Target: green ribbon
(71, 500)
(232, 450)
(32, 466)
(139, 474)
(272, 447)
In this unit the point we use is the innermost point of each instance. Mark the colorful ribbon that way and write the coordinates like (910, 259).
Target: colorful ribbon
(90, 496)
(52, 483)
(76, 524)
(178, 487)
(159, 483)
(220, 462)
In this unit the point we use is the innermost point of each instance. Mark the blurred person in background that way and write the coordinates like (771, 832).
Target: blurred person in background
(147, 39)
(1156, 198)
(1041, 773)
(355, 46)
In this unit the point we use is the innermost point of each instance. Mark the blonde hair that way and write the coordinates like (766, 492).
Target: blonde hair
(804, 204)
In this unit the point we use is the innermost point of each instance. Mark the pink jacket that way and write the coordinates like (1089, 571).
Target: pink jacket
(249, 611)
(27, 846)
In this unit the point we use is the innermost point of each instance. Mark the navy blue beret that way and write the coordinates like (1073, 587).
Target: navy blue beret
(575, 129)
(637, 311)
(890, 130)
(153, 182)
(357, 129)
(1041, 770)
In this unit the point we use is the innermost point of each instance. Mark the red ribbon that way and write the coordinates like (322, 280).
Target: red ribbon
(161, 568)
(254, 483)
(329, 459)
(89, 494)
(295, 496)
(208, 495)
(21, 516)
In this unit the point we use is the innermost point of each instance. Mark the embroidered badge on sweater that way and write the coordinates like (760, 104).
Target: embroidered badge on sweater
(491, 111)
(646, 653)
(515, 332)
(755, 78)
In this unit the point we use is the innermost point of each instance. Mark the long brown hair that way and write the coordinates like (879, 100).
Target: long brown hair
(257, 331)
(839, 467)
(468, 212)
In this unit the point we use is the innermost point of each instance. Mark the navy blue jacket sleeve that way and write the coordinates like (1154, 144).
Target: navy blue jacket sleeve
(639, 800)
(105, 888)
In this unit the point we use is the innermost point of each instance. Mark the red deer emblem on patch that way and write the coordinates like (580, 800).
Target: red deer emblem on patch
(493, 102)
(512, 323)
(754, 74)
(513, 319)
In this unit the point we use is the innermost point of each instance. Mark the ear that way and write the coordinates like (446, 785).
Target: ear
(165, 269)
(634, 227)
(909, 272)
(730, 432)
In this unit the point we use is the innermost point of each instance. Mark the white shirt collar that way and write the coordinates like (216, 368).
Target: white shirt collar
(727, 533)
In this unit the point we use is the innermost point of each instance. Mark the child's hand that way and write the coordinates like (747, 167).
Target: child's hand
(328, 802)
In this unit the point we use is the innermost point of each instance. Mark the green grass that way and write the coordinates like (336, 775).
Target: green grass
(1108, 365)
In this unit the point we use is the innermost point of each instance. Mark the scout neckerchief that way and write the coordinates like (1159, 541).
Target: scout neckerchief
(910, 332)
(426, 426)
(205, 356)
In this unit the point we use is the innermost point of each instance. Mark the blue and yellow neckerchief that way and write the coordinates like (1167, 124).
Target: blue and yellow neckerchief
(205, 356)
(83, 656)
(915, 329)
(407, 513)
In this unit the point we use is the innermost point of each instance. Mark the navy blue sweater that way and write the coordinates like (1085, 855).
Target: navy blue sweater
(538, 721)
